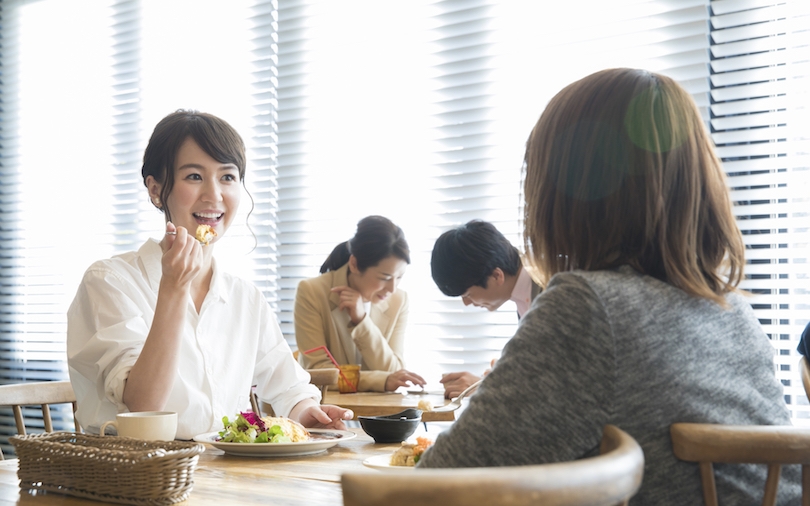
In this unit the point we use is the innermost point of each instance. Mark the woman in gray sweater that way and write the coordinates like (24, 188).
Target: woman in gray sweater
(645, 328)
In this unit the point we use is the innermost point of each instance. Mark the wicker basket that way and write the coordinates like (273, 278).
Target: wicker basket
(107, 468)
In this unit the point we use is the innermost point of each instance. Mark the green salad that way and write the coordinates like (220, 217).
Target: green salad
(249, 428)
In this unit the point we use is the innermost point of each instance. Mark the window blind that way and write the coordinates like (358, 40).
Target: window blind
(129, 229)
(485, 69)
(263, 144)
(49, 221)
(527, 53)
(759, 76)
(420, 115)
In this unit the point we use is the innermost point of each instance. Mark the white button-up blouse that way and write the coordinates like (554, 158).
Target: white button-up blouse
(234, 342)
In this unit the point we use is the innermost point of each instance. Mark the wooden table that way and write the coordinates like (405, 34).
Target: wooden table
(379, 403)
(245, 481)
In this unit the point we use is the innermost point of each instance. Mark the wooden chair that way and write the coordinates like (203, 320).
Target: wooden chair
(805, 369)
(609, 479)
(773, 445)
(323, 378)
(43, 393)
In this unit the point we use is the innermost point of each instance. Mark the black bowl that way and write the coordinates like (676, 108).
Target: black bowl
(391, 428)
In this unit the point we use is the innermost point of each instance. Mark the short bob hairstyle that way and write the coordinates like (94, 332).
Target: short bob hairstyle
(376, 239)
(214, 135)
(465, 256)
(619, 170)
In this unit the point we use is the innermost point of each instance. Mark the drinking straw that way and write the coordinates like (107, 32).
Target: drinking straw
(354, 388)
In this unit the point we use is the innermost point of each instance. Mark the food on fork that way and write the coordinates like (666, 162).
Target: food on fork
(424, 405)
(205, 234)
(249, 428)
(409, 453)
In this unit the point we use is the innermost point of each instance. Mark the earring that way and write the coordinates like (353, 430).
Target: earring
(156, 202)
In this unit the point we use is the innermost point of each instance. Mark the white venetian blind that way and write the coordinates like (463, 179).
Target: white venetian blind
(263, 146)
(129, 228)
(431, 133)
(760, 79)
(418, 111)
(55, 156)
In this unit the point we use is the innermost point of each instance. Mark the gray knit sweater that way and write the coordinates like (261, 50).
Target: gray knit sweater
(626, 349)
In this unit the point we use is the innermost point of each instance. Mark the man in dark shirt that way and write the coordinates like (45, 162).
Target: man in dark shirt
(804, 342)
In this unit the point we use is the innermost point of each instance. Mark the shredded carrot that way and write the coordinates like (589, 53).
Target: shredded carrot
(422, 444)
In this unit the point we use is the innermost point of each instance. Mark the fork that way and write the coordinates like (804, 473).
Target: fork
(456, 402)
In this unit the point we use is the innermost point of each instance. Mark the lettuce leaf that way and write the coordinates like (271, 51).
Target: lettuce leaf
(249, 428)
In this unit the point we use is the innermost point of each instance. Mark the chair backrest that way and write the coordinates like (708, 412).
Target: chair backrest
(609, 479)
(42, 393)
(804, 366)
(772, 445)
(323, 378)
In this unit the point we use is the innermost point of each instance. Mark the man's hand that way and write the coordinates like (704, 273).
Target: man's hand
(456, 382)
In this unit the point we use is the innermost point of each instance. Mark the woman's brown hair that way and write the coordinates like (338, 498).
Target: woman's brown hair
(619, 170)
(214, 135)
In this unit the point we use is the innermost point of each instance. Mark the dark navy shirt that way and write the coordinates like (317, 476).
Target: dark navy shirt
(804, 342)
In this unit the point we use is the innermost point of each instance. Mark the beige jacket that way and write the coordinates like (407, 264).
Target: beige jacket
(379, 338)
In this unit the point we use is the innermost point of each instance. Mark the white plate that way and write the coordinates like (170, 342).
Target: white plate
(418, 391)
(383, 463)
(322, 439)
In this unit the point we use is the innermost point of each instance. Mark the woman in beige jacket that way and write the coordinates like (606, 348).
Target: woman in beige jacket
(355, 309)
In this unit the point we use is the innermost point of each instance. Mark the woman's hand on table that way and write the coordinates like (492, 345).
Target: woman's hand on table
(403, 378)
(456, 382)
(320, 416)
(352, 302)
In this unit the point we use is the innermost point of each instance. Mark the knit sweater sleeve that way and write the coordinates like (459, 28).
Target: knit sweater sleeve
(549, 395)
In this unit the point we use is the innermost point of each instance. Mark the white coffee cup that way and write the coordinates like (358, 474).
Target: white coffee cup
(153, 425)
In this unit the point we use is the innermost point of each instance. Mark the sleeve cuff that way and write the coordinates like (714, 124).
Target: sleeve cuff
(116, 380)
(283, 405)
(373, 381)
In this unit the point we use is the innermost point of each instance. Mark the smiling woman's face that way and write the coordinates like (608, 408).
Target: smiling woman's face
(205, 191)
(376, 283)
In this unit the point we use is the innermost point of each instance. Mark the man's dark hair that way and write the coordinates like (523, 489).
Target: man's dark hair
(466, 256)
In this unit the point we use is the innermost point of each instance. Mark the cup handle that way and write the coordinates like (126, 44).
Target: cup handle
(105, 424)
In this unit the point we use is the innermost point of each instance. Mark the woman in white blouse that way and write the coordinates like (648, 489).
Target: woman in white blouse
(164, 328)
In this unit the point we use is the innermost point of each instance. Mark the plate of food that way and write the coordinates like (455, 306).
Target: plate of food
(403, 459)
(251, 436)
(383, 463)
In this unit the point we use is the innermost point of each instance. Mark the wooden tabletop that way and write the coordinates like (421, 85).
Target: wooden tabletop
(387, 403)
(222, 479)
